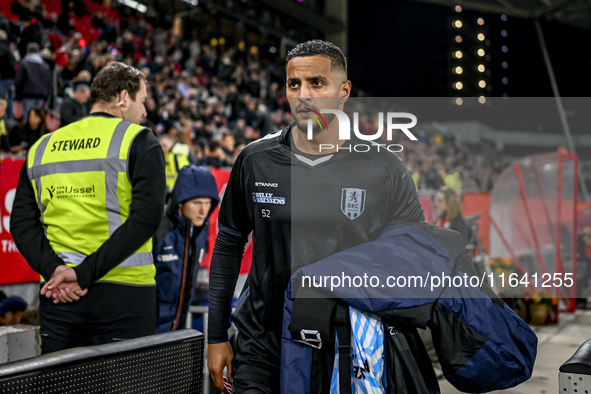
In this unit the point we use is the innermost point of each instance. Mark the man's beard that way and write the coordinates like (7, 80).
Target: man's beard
(303, 126)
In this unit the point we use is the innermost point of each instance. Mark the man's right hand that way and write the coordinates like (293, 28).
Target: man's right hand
(63, 286)
(220, 356)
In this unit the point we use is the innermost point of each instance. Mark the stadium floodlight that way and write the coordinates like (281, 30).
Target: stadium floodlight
(458, 70)
(457, 24)
(480, 21)
(481, 68)
(458, 54)
(481, 52)
(482, 83)
(458, 85)
(135, 5)
(481, 37)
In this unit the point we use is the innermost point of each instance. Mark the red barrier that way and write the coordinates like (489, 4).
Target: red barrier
(221, 177)
(472, 204)
(14, 267)
(428, 208)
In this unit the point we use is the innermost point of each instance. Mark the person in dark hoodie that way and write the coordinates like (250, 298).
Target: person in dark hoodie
(33, 81)
(179, 241)
(8, 65)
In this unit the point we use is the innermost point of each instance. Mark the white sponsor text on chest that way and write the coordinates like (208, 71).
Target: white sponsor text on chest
(267, 198)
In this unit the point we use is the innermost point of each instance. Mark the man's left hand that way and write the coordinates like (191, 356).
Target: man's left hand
(67, 292)
(63, 287)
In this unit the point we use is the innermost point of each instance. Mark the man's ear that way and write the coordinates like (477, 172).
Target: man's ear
(123, 98)
(345, 91)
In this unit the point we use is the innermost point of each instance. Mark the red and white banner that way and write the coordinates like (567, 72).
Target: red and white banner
(14, 268)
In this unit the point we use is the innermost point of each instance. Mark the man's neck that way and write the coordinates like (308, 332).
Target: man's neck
(114, 111)
(326, 141)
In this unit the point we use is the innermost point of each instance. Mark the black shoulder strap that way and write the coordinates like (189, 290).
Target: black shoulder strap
(343, 326)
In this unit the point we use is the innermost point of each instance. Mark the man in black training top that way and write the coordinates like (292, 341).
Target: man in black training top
(290, 196)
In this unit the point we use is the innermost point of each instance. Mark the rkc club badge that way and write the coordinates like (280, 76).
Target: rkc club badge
(352, 202)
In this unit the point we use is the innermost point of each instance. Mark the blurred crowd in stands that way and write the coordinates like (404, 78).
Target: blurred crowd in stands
(435, 162)
(211, 97)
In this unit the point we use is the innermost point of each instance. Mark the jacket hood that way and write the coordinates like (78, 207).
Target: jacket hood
(192, 182)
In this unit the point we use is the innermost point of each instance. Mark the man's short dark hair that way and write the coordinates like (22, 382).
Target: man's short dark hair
(113, 79)
(81, 87)
(320, 48)
(214, 145)
(33, 47)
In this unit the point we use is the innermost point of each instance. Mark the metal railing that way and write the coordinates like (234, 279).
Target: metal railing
(164, 363)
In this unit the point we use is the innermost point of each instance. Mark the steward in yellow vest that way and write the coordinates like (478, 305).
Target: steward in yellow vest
(453, 181)
(89, 198)
(176, 156)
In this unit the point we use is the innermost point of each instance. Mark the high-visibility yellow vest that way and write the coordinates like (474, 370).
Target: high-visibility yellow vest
(81, 182)
(453, 181)
(416, 176)
(175, 159)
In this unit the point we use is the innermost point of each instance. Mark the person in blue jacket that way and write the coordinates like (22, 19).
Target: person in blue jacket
(179, 241)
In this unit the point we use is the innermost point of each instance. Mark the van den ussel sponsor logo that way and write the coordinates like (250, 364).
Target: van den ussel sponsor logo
(70, 191)
(267, 198)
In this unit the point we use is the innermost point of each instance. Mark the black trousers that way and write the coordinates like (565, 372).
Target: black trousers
(108, 313)
(247, 387)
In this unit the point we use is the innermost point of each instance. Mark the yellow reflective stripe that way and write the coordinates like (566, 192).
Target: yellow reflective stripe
(135, 260)
(133, 131)
(74, 166)
(112, 178)
(35, 154)
(116, 142)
